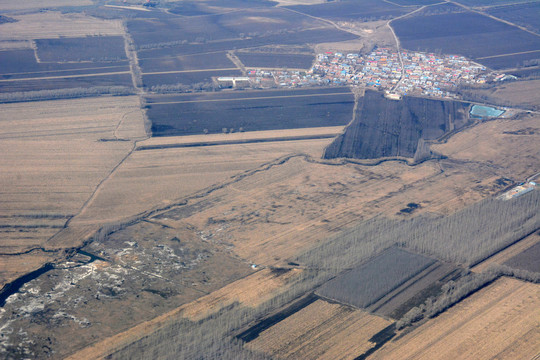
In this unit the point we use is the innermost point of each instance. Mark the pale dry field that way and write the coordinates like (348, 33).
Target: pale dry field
(509, 252)
(157, 178)
(53, 24)
(519, 92)
(516, 155)
(249, 136)
(299, 2)
(321, 330)
(53, 160)
(40, 4)
(501, 321)
(281, 210)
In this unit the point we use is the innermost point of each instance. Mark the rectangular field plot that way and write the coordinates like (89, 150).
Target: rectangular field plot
(65, 82)
(500, 321)
(301, 37)
(368, 283)
(510, 61)
(465, 33)
(352, 10)
(90, 48)
(528, 259)
(269, 60)
(320, 330)
(186, 78)
(527, 15)
(249, 111)
(191, 62)
(230, 25)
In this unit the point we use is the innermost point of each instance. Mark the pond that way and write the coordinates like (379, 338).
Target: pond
(479, 111)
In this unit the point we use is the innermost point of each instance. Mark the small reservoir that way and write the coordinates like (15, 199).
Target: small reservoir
(479, 111)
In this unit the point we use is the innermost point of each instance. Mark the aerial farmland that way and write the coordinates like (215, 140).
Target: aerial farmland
(256, 179)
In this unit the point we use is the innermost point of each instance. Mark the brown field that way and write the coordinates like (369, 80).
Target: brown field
(321, 331)
(53, 161)
(509, 252)
(249, 136)
(524, 93)
(501, 321)
(157, 178)
(54, 24)
(501, 144)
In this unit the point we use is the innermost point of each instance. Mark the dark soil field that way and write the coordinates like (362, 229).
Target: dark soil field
(466, 33)
(527, 15)
(528, 260)
(190, 62)
(249, 111)
(91, 48)
(24, 62)
(414, 2)
(353, 10)
(66, 83)
(268, 60)
(186, 78)
(511, 61)
(371, 281)
(231, 25)
(386, 127)
(302, 37)
(488, 2)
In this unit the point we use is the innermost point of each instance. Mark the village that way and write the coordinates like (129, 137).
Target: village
(424, 74)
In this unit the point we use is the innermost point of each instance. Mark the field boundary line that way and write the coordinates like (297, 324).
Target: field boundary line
(510, 54)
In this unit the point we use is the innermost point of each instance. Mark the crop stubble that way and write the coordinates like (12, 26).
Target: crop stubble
(500, 321)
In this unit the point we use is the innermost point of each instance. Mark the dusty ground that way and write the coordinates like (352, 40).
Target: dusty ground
(511, 146)
(321, 331)
(501, 321)
(53, 24)
(53, 161)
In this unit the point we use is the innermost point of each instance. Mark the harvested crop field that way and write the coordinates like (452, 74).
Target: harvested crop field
(499, 321)
(228, 26)
(66, 82)
(300, 37)
(51, 24)
(187, 78)
(269, 60)
(249, 111)
(53, 161)
(181, 63)
(156, 178)
(350, 10)
(528, 259)
(522, 14)
(466, 33)
(90, 48)
(321, 330)
(371, 281)
(509, 253)
(485, 142)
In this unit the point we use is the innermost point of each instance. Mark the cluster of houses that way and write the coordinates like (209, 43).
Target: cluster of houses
(417, 73)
